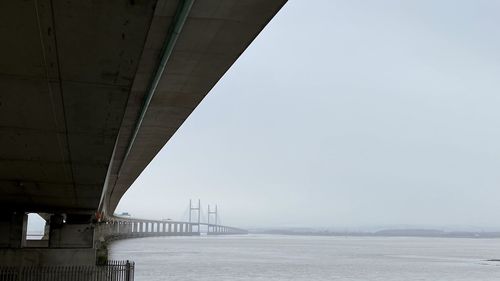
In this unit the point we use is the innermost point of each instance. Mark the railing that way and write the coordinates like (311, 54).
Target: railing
(112, 271)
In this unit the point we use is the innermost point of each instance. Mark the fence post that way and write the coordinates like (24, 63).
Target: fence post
(127, 271)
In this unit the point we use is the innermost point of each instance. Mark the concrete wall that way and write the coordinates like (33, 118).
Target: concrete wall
(37, 257)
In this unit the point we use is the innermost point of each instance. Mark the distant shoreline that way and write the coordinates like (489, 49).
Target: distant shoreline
(429, 233)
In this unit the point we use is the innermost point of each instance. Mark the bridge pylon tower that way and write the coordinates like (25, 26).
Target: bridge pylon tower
(214, 229)
(195, 209)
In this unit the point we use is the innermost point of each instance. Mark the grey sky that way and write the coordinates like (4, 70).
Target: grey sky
(342, 114)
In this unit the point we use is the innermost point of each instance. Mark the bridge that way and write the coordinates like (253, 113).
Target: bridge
(135, 228)
(123, 227)
(90, 93)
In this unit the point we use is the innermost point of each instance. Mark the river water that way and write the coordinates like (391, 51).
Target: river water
(274, 257)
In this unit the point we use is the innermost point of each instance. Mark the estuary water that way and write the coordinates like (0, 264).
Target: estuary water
(308, 258)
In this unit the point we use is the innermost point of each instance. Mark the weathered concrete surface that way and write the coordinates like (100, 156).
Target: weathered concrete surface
(73, 77)
(66, 70)
(45, 256)
(13, 230)
(72, 236)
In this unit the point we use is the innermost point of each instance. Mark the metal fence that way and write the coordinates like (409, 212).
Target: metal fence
(112, 271)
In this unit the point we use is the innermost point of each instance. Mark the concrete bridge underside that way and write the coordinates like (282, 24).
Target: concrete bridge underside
(75, 76)
(92, 90)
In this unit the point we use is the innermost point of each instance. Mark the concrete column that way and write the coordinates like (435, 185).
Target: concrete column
(169, 227)
(76, 232)
(13, 228)
(46, 231)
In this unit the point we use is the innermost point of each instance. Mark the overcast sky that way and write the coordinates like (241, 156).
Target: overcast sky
(346, 114)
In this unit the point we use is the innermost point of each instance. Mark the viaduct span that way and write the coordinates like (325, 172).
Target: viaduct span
(90, 92)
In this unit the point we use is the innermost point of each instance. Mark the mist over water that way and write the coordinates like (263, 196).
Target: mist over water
(346, 114)
(305, 258)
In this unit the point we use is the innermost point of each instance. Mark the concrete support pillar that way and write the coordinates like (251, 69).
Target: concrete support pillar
(13, 228)
(46, 231)
(76, 232)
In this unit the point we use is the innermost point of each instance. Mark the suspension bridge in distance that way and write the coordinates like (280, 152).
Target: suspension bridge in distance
(122, 227)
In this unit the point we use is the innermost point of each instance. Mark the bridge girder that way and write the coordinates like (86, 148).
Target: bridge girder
(74, 76)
